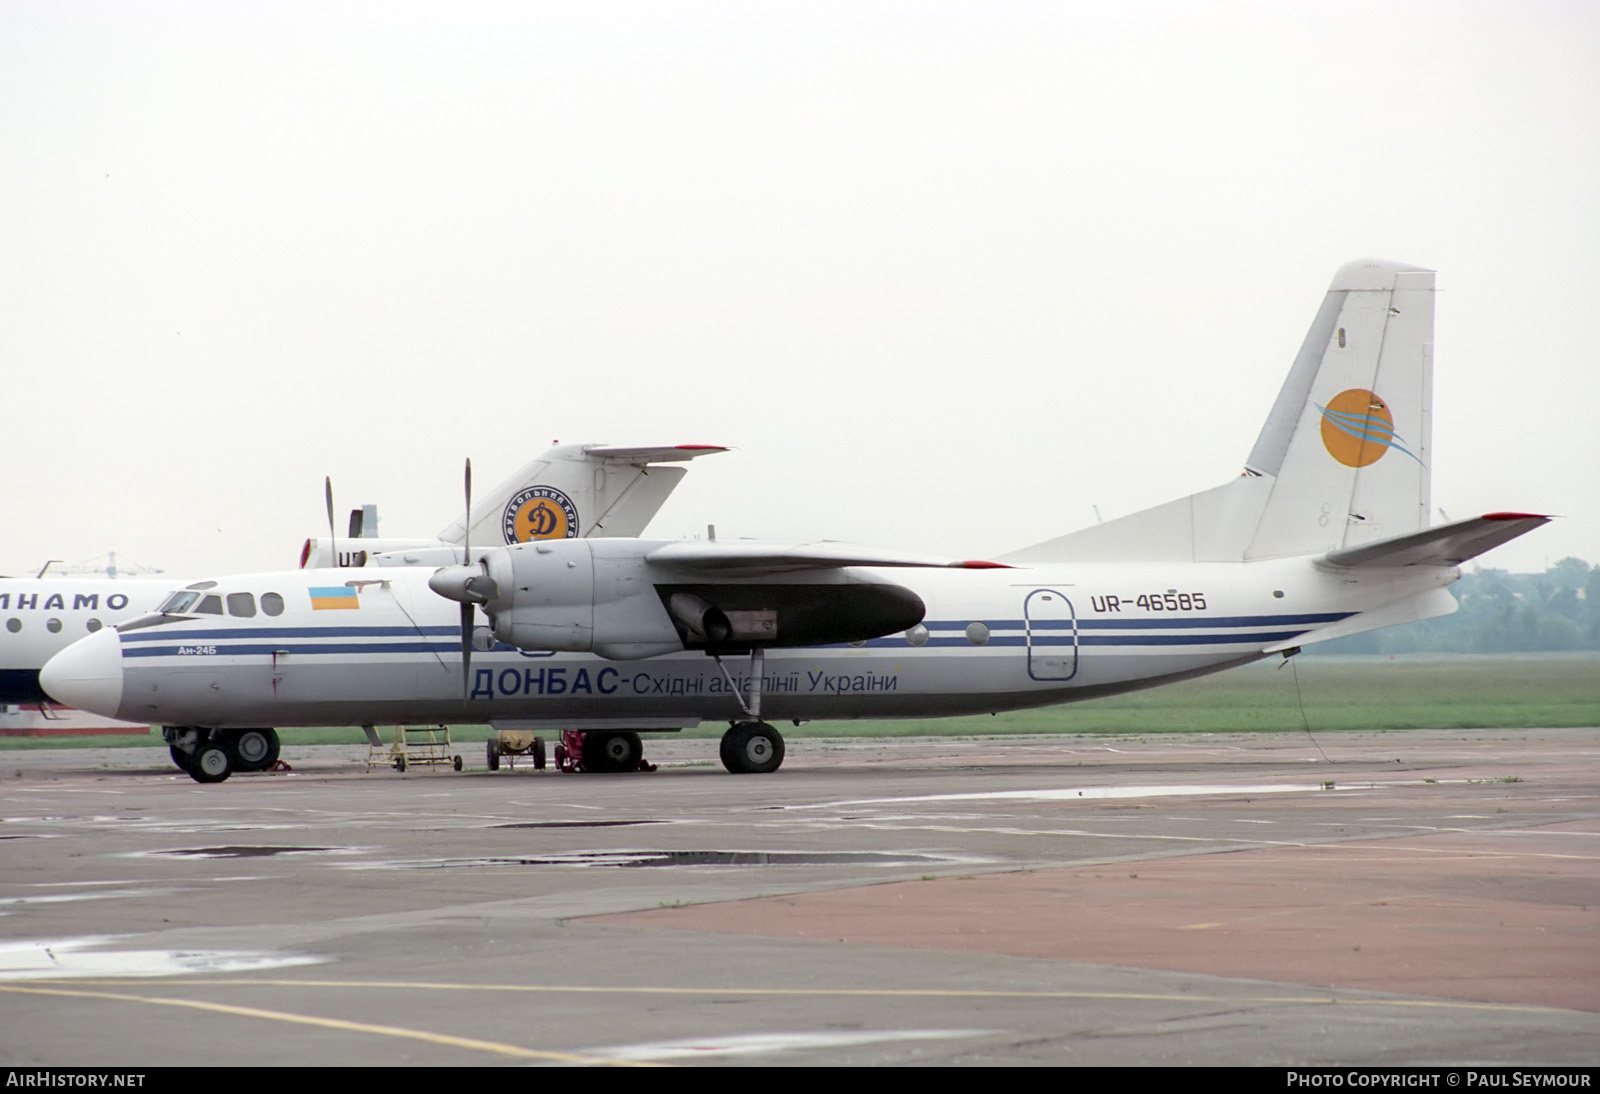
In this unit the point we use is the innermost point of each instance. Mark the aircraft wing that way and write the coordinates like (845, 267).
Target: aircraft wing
(735, 557)
(1447, 545)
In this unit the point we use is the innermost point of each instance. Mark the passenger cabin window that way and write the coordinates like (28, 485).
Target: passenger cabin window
(53, 626)
(13, 625)
(210, 605)
(272, 603)
(178, 603)
(242, 605)
(93, 625)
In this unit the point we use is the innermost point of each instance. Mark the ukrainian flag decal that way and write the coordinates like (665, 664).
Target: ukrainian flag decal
(333, 598)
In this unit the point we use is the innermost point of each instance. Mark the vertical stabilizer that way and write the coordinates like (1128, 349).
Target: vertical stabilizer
(580, 491)
(1342, 459)
(1348, 443)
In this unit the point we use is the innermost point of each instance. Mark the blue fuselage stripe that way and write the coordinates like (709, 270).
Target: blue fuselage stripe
(245, 640)
(1188, 622)
(160, 634)
(240, 649)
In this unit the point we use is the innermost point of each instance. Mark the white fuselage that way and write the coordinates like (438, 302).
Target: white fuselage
(389, 651)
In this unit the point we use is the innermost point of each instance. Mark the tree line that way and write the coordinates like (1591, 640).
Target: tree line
(1501, 612)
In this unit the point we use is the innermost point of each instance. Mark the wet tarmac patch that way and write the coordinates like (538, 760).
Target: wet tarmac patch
(10, 902)
(242, 852)
(751, 1044)
(1102, 793)
(53, 959)
(577, 824)
(710, 858)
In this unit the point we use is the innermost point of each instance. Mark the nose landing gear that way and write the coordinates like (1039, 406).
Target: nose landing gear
(211, 755)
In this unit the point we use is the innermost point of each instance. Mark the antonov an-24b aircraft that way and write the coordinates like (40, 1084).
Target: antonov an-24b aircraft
(1324, 535)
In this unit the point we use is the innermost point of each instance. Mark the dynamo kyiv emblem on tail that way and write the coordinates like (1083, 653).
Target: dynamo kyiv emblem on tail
(539, 512)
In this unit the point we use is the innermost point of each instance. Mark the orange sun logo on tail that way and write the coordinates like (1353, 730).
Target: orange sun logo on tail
(1357, 428)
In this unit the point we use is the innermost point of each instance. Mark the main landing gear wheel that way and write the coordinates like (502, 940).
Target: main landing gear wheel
(611, 752)
(211, 763)
(752, 748)
(180, 757)
(255, 749)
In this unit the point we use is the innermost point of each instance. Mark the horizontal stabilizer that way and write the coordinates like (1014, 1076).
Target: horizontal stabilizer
(1447, 545)
(672, 453)
(751, 557)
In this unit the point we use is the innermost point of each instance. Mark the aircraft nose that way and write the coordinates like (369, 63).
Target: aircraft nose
(87, 675)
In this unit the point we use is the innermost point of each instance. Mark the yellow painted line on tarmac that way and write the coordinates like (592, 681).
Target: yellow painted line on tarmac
(445, 1039)
(840, 993)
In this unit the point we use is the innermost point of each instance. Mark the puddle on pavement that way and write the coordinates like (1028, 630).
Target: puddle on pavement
(93, 956)
(1104, 793)
(241, 852)
(708, 858)
(577, 824)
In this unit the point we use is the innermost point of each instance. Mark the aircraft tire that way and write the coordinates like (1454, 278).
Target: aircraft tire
(752, 748)
(612, 752)
(254, 749)
(180, 757)
(494, 753)
(212, 763)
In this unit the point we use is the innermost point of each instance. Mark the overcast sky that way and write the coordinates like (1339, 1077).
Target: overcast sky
(947, 275)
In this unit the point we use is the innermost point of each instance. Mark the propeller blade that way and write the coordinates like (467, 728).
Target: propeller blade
(333, 536)
(466, 606)
(466, 648)
(466, 526)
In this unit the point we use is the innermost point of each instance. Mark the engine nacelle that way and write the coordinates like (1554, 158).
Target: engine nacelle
(607, 596)
(580, 596)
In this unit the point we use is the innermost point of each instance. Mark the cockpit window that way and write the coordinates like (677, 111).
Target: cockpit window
(178, 602)
(272, 603)
(210, 605)
(242, 605)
